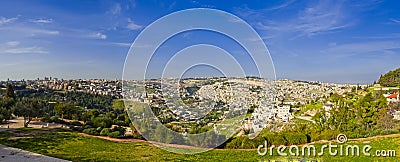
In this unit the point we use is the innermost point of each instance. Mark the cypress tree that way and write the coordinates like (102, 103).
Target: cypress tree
(10, 94)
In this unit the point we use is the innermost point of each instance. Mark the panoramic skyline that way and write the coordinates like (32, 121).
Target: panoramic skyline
(330, 41)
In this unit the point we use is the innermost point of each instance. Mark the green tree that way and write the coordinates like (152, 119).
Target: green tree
(5, 108)
(66, 110)
(10, 94)
(390, 79)
(28, 109)
(102, 121)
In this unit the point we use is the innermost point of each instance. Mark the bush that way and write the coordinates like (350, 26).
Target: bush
(55, 119)
(75, 123)
(91, 131)
(87, 126)
(76, 128)
(120, 129)
(103, 122)
(99, 129)
(235, 143)
(137, 136)
(105, 132)
(389, 131)
(114, 134)
(295, 138)
(89, 123)
(45, 118)
(276, 139)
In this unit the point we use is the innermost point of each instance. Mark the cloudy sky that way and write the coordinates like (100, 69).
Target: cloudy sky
(333, 41)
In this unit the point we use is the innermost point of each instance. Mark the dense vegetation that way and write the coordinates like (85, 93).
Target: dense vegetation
(98, 112)
(69, 145)
(390, 79)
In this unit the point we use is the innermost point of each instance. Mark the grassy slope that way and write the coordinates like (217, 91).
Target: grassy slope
(72, 146)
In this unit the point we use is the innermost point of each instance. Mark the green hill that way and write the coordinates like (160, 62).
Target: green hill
(390, 79)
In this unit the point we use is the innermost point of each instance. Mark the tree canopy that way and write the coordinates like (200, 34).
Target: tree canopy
(390, 79)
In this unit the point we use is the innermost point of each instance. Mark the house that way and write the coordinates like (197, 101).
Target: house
(327, 107)
(396, 115)
(393, 98)
(283, 112)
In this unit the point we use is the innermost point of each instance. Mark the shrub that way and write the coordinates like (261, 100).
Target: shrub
(91, 131)
(137, 135)
(276, 139)
(75, 123)
(103, 122)
(105, 132)
(87, 126)
(114, 134)
(120, 129)
(295, 138)
(76, 128)
(89, 123)
(45, 118)
(235, 143)
(389, 131)
(54, 119)
(248, 143)
(99, 129)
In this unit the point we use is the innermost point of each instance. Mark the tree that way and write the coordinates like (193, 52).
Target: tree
(66, 110)
(5, 109)
(102, 121)
(390, 79)
(10, 94)
(28, 109)
(118, 106)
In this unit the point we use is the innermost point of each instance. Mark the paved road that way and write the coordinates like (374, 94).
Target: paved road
(14, 154)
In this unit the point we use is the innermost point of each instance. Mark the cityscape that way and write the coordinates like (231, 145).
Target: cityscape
(137, 80)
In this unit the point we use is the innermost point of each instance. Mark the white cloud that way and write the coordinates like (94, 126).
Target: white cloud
(395, 21)
(316, 18)
(48, 32)
(132, 26)
(98, 35)
(43, 21)
(25, 50)
(4, 20)
(12, 43)
(12, 47)
(363, 47)
(121, 44)
(115, 9)
(281, 6)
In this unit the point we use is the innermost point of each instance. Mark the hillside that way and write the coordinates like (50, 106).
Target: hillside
(390, 79)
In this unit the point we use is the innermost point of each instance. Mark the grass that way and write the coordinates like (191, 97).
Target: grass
(69, 145)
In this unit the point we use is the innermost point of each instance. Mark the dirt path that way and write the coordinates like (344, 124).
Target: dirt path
(114, 139)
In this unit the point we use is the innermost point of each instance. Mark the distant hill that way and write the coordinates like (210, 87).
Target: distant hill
(390, 79)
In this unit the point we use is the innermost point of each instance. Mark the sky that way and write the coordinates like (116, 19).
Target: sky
(330, 41)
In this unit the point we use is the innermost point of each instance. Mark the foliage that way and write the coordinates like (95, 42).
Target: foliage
(75, 123)
(66, 111)
(114, 134)
(28, 109)
(91, 131)
(10, 94)
(105, 132)
(103, 122)
(390, 79)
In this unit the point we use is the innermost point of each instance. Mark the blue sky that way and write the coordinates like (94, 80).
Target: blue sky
(333, 41)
